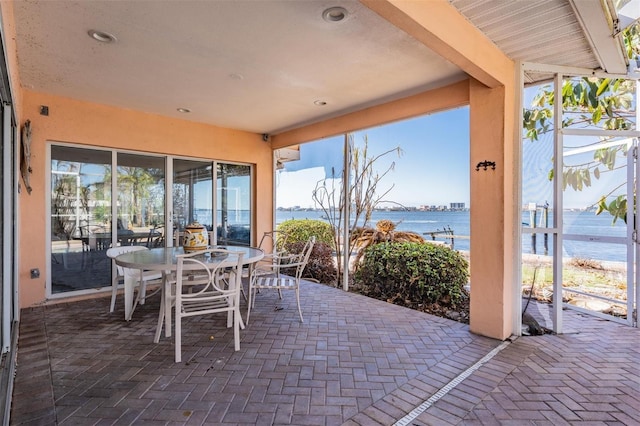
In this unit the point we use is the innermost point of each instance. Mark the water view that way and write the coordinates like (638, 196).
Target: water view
(575, 222)
(425, 222)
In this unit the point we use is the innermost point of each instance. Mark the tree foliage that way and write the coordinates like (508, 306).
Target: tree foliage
(590, 102)
(135, 181)
(586, 101)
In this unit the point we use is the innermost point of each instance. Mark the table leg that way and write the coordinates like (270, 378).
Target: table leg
(129, 284)
(242, 291)
(167, 308)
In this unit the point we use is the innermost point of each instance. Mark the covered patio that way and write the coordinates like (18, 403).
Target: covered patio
(229, 83)
(354, 361)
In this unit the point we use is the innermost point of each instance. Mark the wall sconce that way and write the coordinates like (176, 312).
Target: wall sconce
(485, 165)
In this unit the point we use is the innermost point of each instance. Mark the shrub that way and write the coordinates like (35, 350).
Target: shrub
(412, 274)
(384, 232)
(300, 230)
(321, 266)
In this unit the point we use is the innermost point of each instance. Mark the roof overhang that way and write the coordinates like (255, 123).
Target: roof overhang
(599, 24)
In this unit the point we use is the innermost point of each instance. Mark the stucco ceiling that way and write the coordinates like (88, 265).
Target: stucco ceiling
(260, 65)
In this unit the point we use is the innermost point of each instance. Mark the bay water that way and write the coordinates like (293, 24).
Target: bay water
(575, 222)
(425, 222)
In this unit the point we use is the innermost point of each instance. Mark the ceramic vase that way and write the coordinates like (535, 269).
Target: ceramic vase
(196, 237)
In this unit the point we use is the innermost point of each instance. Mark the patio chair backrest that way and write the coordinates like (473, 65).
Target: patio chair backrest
(206, 287)
(273, 241)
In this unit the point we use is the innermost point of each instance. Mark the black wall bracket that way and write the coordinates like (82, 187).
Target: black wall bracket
(485, 165)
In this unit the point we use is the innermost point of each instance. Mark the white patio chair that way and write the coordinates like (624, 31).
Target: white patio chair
(272, 277)
(203, 286)
(272, 243)
(143, 278)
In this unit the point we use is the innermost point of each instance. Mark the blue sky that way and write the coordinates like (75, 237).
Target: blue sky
(433, 168)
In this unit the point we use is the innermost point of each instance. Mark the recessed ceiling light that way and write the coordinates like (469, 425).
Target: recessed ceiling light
(335, 14)
(319, 103)
(102, 36)
(184, 110)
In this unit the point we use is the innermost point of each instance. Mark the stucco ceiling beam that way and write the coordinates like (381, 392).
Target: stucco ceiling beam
(441, 28)
(441, 99)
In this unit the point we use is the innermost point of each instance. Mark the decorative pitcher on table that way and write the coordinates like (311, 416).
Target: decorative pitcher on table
(196, 237)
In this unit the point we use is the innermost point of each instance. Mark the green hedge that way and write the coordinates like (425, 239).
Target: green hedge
(321, 266)
(300, 230)
(411, 274)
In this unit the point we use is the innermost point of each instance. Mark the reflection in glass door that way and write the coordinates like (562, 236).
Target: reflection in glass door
(192, 194)
(233, 199)
(84, 223)
(80, 218)
(141, 200)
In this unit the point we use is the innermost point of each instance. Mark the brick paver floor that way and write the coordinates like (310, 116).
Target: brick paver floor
(354, 361)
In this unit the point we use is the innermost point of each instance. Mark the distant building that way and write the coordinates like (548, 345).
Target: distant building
(456, 206)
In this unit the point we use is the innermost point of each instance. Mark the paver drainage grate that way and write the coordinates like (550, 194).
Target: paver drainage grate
(406, 420)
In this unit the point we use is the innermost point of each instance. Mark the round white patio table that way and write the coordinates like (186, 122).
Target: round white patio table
(165, 259)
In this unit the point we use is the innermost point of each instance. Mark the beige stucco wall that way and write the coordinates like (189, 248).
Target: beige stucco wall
(90, 124)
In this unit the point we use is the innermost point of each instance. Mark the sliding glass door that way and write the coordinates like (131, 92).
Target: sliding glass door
(80, 218)
(84, 222)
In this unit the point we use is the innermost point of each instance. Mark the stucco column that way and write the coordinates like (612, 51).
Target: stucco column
(493, 245)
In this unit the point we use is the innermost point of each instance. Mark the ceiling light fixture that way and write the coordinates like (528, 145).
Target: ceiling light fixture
(319, 103)
(102, 36)
(184, 110)
(335, 14)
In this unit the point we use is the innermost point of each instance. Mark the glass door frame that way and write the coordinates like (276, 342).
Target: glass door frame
(220, 203)
(633, 249)
(48, 210)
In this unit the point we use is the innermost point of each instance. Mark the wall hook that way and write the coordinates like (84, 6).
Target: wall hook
(485, 165)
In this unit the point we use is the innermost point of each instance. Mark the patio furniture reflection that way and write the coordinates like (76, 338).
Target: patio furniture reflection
(125, 237)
